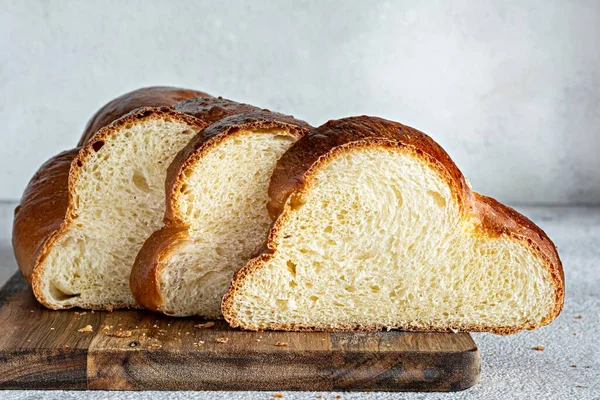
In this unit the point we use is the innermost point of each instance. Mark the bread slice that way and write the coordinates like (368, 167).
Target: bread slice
(375, 227)
(87, 212)
(154, 96)
(216, 213)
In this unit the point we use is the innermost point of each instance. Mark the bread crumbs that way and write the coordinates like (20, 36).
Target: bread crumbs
(579, 316)
(281, 344)
(86, 329)
(209, 324)
(120, 334)
(539, 348)
(278, 396)
(222, 340)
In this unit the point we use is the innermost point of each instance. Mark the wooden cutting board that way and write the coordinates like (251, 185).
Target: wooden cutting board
(42, 349)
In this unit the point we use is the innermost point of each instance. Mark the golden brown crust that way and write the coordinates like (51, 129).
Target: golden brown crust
(47, 210)
(293, 176)
(293, 165)
(42, 210)
(145, 272)
(156, 96)
(144, 275)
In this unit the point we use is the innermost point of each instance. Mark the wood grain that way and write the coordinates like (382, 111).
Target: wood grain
(134, 350)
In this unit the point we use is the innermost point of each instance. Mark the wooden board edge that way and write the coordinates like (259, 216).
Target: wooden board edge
(33, 369)
(311, 371)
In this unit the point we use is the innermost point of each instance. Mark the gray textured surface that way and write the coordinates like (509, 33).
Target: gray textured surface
(568, 368)
(509, 88)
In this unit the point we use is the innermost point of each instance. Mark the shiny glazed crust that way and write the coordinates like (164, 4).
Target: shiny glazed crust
(144, 280)
(293, 177)
(156, 96)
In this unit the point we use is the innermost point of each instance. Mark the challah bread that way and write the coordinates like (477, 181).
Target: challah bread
(216, 213)
(375, 227)
(87, 212)
(155, 96)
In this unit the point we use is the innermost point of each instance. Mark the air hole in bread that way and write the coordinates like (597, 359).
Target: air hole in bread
(438, 199)
(281, 304)
(292, 268)
(285, 138)
(140, 182)
(97, 145)
(296, 202)
(60, 295)
(399, 198)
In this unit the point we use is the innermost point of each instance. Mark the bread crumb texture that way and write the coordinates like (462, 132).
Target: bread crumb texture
(117, 201)
(223, 200)
(377, 239)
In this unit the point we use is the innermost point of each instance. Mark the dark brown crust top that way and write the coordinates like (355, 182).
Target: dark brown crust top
(229, 125)
(148, 266)
(294, 172)
(212, 109)
(47, 210)
(156, 96)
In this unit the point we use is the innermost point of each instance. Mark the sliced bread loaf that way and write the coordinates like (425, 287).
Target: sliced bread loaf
(375, 227)
(216, 213)
(87, 212)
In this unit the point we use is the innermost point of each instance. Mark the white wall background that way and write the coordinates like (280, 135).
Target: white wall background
(511, 89)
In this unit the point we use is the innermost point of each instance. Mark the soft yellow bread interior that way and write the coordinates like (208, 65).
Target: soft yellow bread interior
(118, 201)
(223, 201)
(378, 241)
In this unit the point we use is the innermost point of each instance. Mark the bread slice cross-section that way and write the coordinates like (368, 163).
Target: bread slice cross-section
(375, 227)
(216, 213)
(87, 212)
